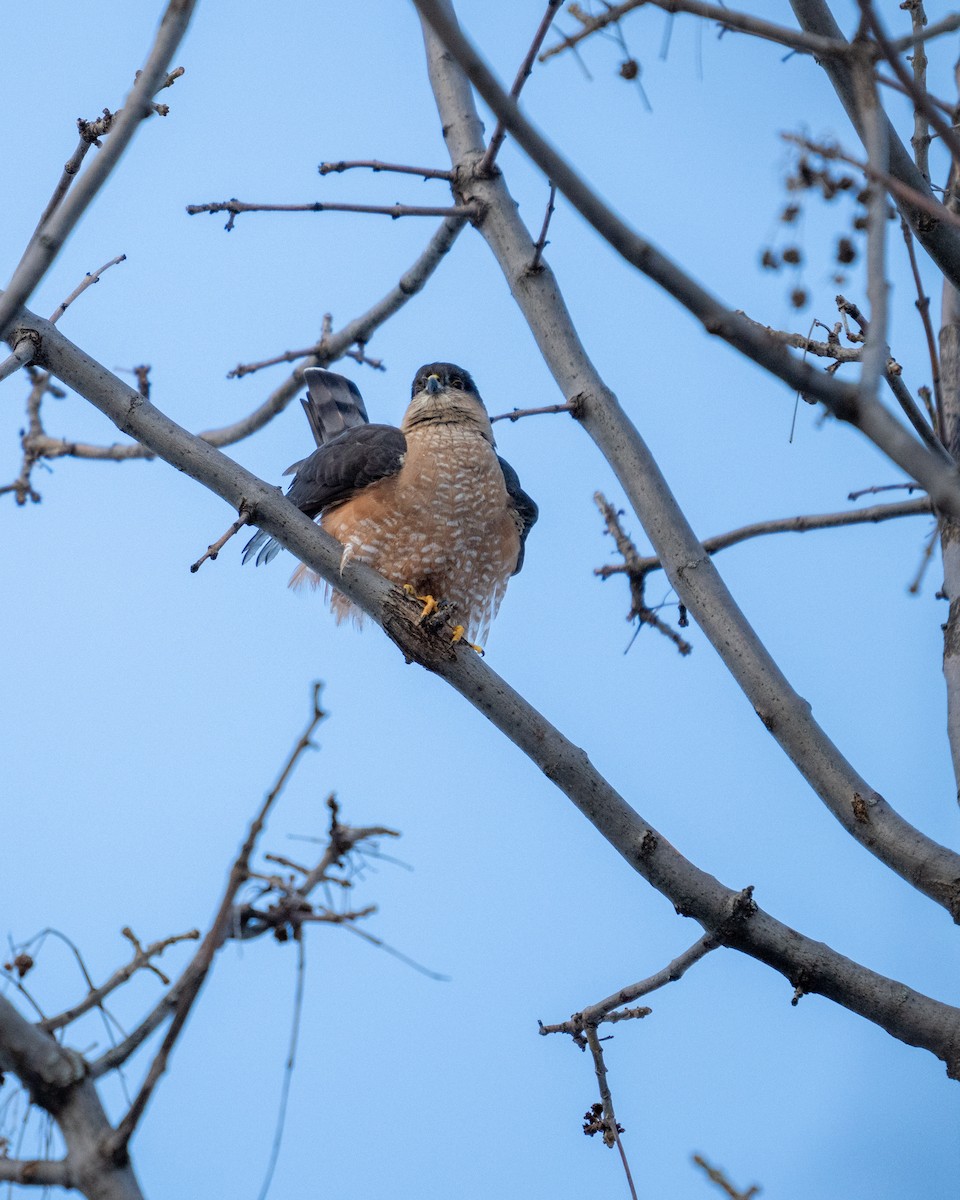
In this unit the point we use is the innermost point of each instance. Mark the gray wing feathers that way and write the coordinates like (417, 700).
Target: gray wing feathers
(524, 507)
(336, 471)
(333, 407)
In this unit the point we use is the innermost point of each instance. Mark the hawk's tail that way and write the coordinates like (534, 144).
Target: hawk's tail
(334, 404)
(262, 548)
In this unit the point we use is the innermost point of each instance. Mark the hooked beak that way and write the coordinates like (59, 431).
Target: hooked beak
(434, 385)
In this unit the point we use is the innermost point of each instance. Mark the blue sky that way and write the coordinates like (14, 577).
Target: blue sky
(146, 710)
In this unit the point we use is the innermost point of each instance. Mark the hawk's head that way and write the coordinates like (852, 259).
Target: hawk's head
(444, 394)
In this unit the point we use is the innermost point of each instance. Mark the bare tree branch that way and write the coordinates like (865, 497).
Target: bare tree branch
(375, 165)
(876, 128)
(142, 960)
(801, 524)
(235, 207)
(948, 25)
(90, 134)
(923, 308)
(949, 355)
(22, 354)
(715, 1175)
(601, 1011)
(88, 280)
(191, 981)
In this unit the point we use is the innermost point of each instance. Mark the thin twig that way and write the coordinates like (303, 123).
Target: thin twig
(22, 487)
(909, 486)
(925, 560)
(895, 381)
(799, 524)
(485, 165)
(541, 242)
(287, 356)
(921, 126)
(639, 608)
(611, 1134)
(90, 134)
(88, 280)
(142, 960)
(214, 548)
(715, 1175)
(923, 307)
(948, 25)
(516, 413)
(375, 165)
(877, 143)
(235, 207)
(287, 1069)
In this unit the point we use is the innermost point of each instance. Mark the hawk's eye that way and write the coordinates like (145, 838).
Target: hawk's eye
(456, 382)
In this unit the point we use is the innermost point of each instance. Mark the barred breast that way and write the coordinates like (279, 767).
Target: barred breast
(443, 524)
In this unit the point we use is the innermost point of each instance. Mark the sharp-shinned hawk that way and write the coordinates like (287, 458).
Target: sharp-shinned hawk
(430, 505)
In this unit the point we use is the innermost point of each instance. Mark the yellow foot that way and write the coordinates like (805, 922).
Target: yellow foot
(458, 632)
(429, 604)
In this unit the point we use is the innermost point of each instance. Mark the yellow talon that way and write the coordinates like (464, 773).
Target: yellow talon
(458, 632)
(430, 605)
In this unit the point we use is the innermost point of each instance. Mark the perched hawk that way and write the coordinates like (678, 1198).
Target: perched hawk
(430, 505)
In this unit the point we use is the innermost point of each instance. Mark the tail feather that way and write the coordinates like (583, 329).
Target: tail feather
(334, 404)
(262, 548)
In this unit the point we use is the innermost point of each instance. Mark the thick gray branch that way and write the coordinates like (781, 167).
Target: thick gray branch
(56, 1079)
(931, 868)
(904, 1013)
